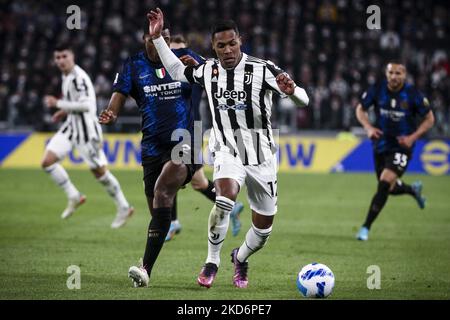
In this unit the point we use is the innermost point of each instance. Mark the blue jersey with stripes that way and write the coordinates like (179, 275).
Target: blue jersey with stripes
(165, 104)
(396, 113)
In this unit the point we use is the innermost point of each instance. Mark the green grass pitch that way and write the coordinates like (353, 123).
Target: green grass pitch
(318, 217)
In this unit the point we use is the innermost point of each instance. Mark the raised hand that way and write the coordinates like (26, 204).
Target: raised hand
(188, 60)
(156, 23)
(286, 84)
(107, 117)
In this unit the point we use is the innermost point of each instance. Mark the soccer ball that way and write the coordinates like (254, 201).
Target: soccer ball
(315, 280)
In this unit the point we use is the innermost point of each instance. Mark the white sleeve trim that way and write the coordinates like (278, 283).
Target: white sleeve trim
(299, 97)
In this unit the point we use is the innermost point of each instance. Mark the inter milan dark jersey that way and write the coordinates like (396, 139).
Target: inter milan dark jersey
(396, 113)
(165, 104)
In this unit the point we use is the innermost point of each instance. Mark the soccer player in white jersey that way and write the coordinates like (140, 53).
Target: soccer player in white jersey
(239, 89)
(80, 131)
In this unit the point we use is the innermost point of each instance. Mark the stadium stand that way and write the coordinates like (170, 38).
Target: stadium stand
(325, 45)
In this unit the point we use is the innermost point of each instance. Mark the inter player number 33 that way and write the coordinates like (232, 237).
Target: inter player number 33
(400, 159)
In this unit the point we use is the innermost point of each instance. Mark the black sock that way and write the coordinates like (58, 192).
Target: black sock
(378, 202)
(402, 188)
(211, 195)
(174, 209)
(157, 232)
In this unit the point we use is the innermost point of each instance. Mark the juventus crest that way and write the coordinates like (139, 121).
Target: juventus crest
(248, 77)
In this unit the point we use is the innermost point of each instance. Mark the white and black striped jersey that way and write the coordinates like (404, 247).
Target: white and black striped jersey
(79, 101)
(240, 101)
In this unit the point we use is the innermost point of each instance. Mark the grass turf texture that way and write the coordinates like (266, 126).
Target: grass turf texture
(318, 217)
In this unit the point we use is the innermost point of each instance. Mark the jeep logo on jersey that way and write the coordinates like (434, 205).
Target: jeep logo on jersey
(230, 94)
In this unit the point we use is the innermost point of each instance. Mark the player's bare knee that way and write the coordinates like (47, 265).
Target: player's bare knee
(175, 168)
(99, 172)
(49, 159)
(262, 222)
(227, 193)
(227, 188)
(44, 164)
(47, 162)
(163, 197)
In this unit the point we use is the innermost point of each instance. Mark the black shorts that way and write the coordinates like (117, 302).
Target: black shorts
(153, 167)
(396, 161)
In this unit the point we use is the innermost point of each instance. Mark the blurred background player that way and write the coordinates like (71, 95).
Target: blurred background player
(397, 104)
(242, 86)
(82, 132)
(199, 182)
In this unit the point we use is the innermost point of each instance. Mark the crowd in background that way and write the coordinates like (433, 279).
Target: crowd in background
(324, 45)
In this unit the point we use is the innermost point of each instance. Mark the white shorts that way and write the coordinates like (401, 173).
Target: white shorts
(91, 152)
(261, 180)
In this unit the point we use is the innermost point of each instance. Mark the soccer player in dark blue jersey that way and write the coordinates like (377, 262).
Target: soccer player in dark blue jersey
(165, 106)
(397, 106)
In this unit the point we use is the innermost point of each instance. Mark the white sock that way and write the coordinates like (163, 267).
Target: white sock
(112, 186)
(219, 219)
(254, 240)
(61, 178)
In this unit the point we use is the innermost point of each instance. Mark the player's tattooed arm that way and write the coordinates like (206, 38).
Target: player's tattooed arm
(109, 115)
(363, 118)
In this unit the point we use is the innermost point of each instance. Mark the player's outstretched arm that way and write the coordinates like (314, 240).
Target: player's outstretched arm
(427, 124)
(109, 115)
(363, 118)
(170, 61)
(82, 105)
